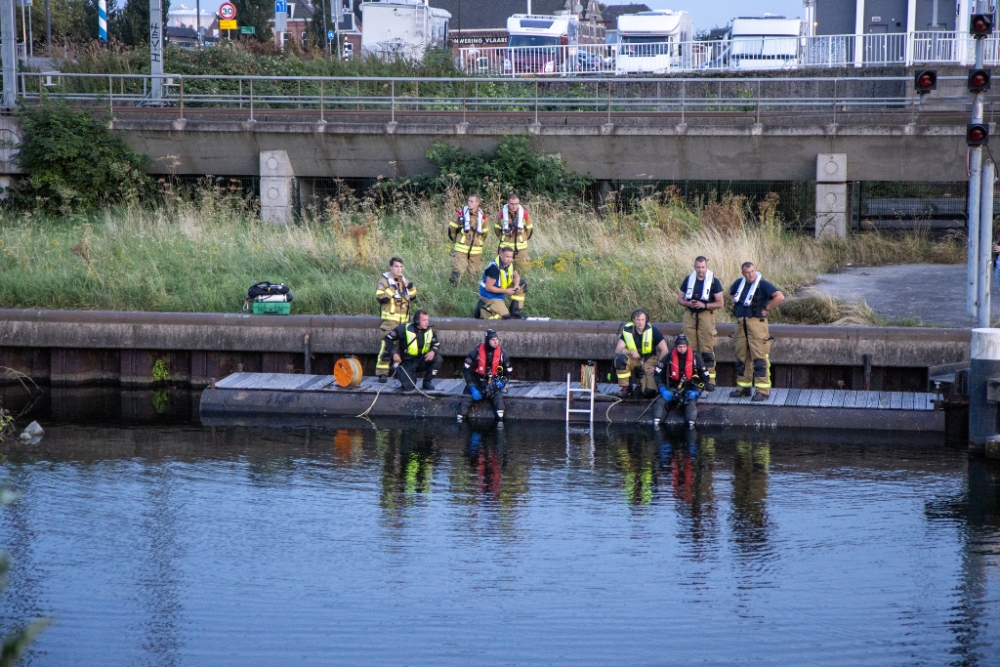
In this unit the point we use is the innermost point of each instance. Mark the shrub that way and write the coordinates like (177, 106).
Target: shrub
(74, 163)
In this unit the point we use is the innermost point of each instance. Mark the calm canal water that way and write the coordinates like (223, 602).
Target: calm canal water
(437, 544)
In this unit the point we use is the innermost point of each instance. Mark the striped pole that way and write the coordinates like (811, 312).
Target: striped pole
(102, 20)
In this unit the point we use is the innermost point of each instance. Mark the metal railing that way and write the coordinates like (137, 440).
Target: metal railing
(252, 95)
(736, 54)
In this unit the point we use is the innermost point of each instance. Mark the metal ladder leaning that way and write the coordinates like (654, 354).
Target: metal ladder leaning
(570, 390)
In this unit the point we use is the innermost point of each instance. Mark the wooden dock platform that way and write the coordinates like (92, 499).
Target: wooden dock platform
(260, 394)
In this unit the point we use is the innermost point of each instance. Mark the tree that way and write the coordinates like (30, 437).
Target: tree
(255, 13)
(74, 163)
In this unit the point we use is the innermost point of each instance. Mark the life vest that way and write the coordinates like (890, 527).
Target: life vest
(481, 367)
(411, 341)
(396, 310)
(505, 281)
(628, 335)
(676, 375)
(513, 234)
(468, 237)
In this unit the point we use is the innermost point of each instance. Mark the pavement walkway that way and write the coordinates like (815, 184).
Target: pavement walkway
(931, 293)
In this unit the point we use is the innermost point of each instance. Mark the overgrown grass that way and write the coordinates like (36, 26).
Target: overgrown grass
(201, 252)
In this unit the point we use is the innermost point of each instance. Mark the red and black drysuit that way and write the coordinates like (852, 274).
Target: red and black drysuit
(685, 376)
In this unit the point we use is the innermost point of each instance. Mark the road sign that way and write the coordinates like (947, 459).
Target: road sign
(227, 12)
(330, 35)
(281, 21)
(247, 30)
(280, 7)
(227, 25)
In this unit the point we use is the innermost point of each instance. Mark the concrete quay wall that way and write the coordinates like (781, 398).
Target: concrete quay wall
(139, 348)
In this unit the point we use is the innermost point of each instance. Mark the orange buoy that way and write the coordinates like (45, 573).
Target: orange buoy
(347, 372)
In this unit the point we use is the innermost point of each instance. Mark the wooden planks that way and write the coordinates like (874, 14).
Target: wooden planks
(808, 398)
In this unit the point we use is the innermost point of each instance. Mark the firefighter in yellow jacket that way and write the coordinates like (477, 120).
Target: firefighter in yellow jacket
(394, 294)
(640, 346)
(513, 227)
(467, 232)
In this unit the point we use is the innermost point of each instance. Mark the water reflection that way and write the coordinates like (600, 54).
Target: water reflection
(347, 545)
(748, 515)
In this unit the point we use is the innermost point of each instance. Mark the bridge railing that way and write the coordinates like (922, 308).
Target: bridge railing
(736, 54)
(572, 94)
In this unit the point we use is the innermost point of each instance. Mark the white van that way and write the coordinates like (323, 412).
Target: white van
(766, 42)
(541, 44)
(654, 41)
(402, 28)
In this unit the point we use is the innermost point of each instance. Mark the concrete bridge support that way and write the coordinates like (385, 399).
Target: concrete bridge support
(277, 180)
(831, 195)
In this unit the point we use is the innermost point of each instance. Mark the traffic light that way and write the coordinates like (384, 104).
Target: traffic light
(925, 80)
(979, 80)
(977, 134)
(981, 25)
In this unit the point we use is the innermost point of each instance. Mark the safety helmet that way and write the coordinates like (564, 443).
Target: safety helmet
(681, 340)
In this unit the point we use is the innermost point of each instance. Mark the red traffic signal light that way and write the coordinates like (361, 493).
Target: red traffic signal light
(925, 80)
(977, 134)
(981, 25)
(979, 80)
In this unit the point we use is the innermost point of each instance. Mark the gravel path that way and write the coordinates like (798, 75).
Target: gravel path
(932, 293)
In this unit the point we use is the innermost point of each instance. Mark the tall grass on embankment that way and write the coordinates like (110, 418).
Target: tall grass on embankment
(200, 253)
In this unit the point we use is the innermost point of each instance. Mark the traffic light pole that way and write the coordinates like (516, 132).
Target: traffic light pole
(985, 244)
(973, 272)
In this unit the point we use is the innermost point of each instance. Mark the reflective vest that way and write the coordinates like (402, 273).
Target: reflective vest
(514, 233)
(676, 375)
(505, 281)
(395, 310)
(411, 341)
(481, 367)
(628, 335)
(468, 235)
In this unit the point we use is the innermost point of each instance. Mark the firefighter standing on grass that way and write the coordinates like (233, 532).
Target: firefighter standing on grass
(467, 232)
(753, 300)
(640, 347)
(513, 227)
(701, 296)
(394, 294)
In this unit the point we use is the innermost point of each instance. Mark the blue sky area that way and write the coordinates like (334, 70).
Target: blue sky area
(718, 13)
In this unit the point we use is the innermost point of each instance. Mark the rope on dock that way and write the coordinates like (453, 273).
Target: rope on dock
(364, 414)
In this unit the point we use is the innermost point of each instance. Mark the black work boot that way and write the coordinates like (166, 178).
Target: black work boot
(515, 311)
(383, 379)
(740, 393)
(428, 383)
(455, 275)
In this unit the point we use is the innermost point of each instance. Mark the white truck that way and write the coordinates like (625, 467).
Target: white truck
(541, 44)
(402, 29)
(765, 43)
(654, 41)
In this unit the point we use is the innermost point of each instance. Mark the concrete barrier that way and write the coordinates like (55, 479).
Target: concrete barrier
(89, 346)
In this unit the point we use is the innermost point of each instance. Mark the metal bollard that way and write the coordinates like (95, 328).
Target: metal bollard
(984, 392)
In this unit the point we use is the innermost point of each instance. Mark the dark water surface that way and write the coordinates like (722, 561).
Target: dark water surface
(436, 544)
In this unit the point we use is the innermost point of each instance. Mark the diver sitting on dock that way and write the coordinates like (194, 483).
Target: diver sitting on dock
(680, 377)
(640, 346)
(486, 372)
(414, 349)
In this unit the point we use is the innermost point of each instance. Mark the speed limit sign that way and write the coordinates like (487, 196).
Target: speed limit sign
(227, 11)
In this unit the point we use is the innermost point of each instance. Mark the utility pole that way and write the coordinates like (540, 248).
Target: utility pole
(155, 51)
(8, 49)
(980, 26)
(48, 30)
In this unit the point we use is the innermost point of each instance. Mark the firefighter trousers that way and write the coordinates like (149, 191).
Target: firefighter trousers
(625, 366)
(382, 362)
(752, 343)
(699, 327)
